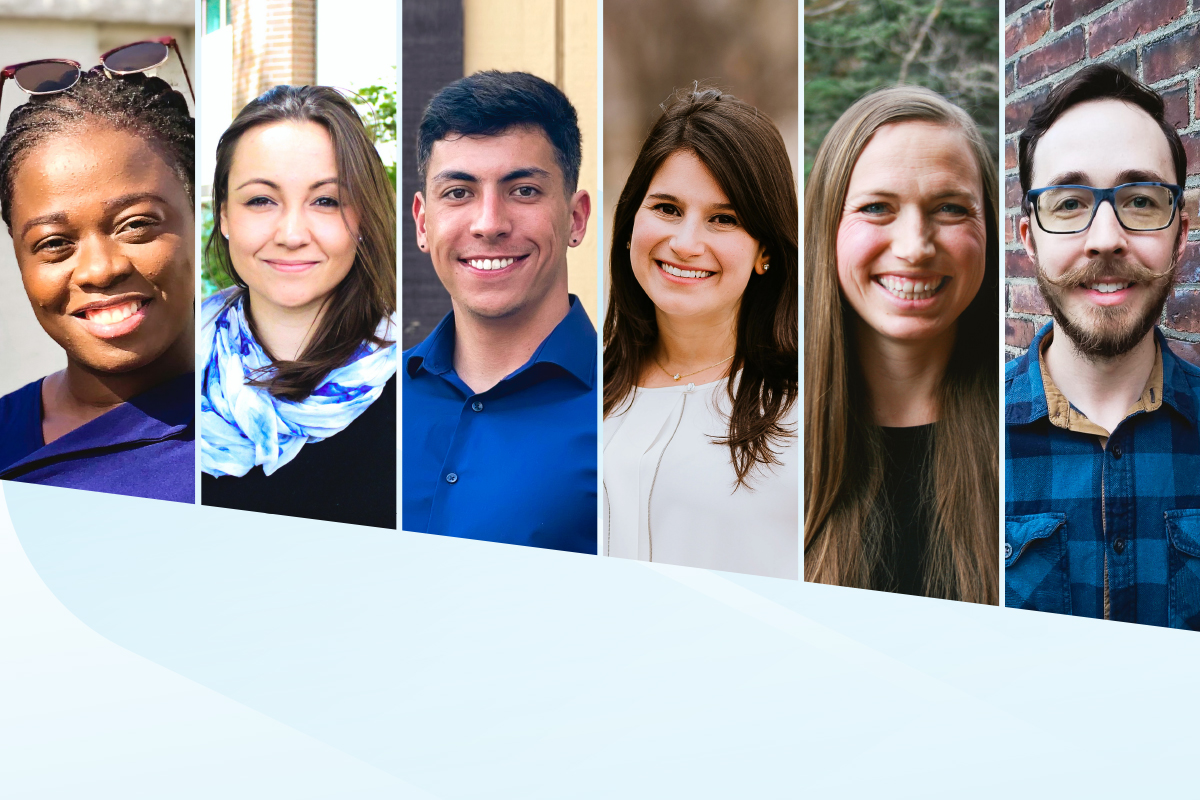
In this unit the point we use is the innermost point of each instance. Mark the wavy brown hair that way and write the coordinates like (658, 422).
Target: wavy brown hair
(846, 514)
(745, 154)
(367, 294)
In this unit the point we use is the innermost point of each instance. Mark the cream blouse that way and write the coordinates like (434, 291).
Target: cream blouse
(669, 491)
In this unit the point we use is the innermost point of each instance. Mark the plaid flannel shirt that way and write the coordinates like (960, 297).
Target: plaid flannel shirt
(1078, 510)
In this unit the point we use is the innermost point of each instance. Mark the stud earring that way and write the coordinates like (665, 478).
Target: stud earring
(766, 266)
(627, 244)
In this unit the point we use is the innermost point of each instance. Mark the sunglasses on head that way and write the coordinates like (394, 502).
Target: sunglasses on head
(53, 75)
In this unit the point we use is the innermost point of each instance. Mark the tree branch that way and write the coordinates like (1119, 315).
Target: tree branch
(920, 40)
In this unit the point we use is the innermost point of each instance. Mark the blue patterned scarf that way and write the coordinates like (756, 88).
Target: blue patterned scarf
(243, 426)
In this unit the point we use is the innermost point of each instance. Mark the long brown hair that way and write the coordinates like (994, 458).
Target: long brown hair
(846, 516)
(743, 150)
(367, 294)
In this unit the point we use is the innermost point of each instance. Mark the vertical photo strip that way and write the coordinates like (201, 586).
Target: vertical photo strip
(299, 331)
(97, 267)
(901, 327)
(498, 182)
(701, 454)
(1102, 386)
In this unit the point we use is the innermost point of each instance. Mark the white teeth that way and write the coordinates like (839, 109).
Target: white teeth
(683, 273)
(907, 289)
(1108, 288)
(113, 314)
(490, 263)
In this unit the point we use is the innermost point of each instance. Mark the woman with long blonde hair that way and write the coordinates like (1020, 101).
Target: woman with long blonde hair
(901, 366)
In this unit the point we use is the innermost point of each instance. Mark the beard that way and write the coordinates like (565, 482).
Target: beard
(1105, 332)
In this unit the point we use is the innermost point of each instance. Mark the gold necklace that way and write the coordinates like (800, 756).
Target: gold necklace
(676, 376)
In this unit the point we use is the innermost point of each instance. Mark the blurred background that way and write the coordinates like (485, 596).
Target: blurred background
(445, 40)
(748, 48)
(852, 47)
(80, 30)
(248, 46)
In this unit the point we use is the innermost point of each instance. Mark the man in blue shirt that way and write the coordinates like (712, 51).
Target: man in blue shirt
(1102, 420)
(500, 399)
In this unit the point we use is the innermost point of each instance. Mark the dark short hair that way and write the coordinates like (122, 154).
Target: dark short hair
(490, 103)
(1096, 82)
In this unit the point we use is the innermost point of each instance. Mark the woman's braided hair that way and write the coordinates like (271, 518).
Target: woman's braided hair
(147, 107)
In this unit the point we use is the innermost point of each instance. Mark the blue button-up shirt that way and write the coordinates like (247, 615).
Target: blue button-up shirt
(1081, 509)
(514, 464)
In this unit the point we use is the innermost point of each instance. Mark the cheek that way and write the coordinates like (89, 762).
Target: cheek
(858, 245)
(965, 244)
(335, 240)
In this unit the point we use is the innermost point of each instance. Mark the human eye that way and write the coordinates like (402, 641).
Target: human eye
(666, 209)
(53, 246)
(259, 201)
(526, 191)
(455, 193)
(325, 201)
(953, 209)
(139, 228)
(726, 220)
(873, 209)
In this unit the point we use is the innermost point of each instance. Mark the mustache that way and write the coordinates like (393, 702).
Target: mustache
(1119, 269)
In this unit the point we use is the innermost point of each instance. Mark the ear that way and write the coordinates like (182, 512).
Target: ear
(1183, 232)
(1025, 233)
(223, 221)
(580, 206)
(418, 212)
(761, 261)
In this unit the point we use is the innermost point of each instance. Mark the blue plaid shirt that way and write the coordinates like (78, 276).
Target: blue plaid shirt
(1078, 511)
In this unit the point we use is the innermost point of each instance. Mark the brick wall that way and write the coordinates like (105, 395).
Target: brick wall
(274, 42)
(1155, 41)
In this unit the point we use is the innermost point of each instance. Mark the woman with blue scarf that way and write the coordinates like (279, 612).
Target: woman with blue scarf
(298, 358)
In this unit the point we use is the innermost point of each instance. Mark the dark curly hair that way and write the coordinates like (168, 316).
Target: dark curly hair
(148, 107)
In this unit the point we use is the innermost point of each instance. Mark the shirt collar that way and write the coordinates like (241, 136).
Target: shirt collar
(571, 346)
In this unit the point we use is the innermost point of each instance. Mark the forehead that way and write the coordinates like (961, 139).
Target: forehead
(916, 156)
(1100, 139)
(96, 162)
(685, 176)
(492, 157)
(292, 149)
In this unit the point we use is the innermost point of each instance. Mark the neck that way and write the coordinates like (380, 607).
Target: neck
(687, 344)
(487, 349)
(79, 394)
(1103, 389)
(903, 377)
(284, 332)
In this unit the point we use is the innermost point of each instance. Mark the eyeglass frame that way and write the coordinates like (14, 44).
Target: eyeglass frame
(10, 72)
(1100, 196)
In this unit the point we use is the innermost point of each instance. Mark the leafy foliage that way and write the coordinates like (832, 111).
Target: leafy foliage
(853, 47)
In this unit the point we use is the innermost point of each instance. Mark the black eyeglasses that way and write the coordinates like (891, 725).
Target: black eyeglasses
(1143, 206)
(53, 75)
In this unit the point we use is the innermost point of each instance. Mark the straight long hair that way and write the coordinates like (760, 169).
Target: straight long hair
(846, 515)
(745, 154)
(367, 295)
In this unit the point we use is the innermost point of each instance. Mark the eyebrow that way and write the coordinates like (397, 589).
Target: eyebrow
(466, 177)
(277, 187)
(1124, 176)
(56, 218)
(670, 198)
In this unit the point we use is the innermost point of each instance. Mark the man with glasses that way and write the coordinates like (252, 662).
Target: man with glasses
(1102, 420)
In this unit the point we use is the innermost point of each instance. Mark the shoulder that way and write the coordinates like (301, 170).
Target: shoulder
(20, 423)
(213, 304)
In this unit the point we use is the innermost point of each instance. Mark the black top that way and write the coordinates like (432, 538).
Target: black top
(907, 462)
(349, 477)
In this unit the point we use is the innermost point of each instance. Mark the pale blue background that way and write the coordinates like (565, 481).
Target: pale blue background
(177, 651)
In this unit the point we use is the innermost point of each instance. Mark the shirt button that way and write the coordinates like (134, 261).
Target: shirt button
(1119, 545)
(477, 406)
(1116, 451)
(451, 478)
(1007, 550)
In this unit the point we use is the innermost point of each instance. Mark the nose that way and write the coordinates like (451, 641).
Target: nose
(491, 220)
(100, 263)
(292, 231)
(688, 241)
(1105, 236)
(912, 238)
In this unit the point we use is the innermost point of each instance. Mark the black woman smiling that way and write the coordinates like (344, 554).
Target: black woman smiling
(97, 192)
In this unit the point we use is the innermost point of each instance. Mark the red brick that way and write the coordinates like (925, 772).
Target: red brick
(1009, 79)
(1196, 112)
(1170, 56)
(1019, 264)
(1012, 191)
(1183, 310)
(1189, 264)
(1191, 146)
(1010, 154)
(1026, 29)
(1067, 11)
(1176, 101)
(1026, 299)
(1011, 6)
(1050, 58)
(1130, 20)
(1188, 351)
(1017, 113)
(1010, 230)
(1018, 332)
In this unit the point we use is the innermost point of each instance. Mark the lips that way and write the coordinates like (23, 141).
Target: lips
(692, 273)
(492, 263)
(109, 319)
(290, 265)
(911, 288)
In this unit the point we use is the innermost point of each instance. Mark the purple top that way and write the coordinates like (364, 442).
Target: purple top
(145, 447)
